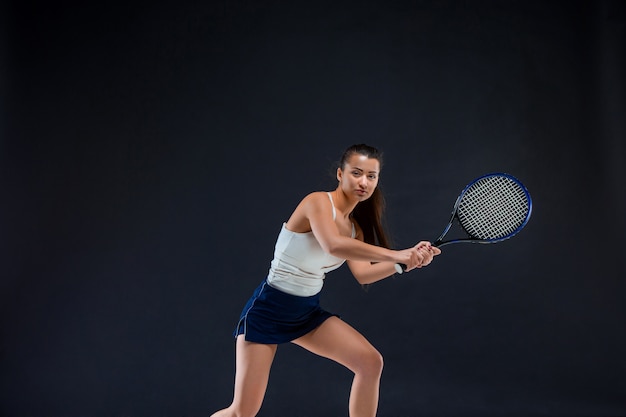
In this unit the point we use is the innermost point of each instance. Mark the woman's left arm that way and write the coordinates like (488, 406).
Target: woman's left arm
(368, 272)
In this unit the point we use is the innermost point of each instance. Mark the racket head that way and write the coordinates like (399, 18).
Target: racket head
(490, 209)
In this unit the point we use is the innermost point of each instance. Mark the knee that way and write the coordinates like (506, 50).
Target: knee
(370, 363)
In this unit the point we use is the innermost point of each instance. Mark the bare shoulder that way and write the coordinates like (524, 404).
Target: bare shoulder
(315, 200)
(316, 195)
(309, 205)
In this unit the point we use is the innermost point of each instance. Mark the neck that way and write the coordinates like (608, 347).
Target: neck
(342, 203)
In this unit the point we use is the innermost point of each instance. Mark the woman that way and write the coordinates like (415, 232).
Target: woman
(325, 229)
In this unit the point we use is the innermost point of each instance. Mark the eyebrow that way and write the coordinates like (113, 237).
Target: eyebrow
(362, 170)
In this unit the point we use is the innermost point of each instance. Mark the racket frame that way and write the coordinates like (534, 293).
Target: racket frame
(439, 242)
(471, 239)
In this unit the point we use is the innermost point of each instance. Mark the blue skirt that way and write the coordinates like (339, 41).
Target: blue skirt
(272, 316)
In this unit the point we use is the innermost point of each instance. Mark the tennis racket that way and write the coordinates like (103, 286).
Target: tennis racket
(490, 209)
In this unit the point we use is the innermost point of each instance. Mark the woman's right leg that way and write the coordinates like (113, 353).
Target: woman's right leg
(253, 363)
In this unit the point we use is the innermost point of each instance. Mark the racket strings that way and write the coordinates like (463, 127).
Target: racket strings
(493, 208)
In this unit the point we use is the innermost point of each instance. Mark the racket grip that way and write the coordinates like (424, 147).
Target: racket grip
(400, 268)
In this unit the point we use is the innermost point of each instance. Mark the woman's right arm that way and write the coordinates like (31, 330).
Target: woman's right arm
(316, 207)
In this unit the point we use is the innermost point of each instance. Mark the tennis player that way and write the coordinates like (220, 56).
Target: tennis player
(325, 230)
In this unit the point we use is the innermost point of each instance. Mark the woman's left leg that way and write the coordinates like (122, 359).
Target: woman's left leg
(336, 340)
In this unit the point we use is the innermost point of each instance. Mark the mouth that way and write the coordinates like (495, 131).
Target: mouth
(361, 192)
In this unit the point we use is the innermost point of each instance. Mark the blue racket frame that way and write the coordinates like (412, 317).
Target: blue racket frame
(472, 239)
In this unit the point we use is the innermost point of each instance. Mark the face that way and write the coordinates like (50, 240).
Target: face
(359, 176)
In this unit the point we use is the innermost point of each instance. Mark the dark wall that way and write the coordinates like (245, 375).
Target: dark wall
(151, 151)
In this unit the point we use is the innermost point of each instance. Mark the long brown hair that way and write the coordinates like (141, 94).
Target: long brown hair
(369, 213)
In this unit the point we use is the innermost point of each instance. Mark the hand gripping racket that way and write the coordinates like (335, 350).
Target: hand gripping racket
(490, 209)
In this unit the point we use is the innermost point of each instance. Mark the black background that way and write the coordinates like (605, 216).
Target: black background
(150, 152)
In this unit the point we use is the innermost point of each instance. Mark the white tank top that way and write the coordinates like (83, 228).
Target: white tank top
(300, 264)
